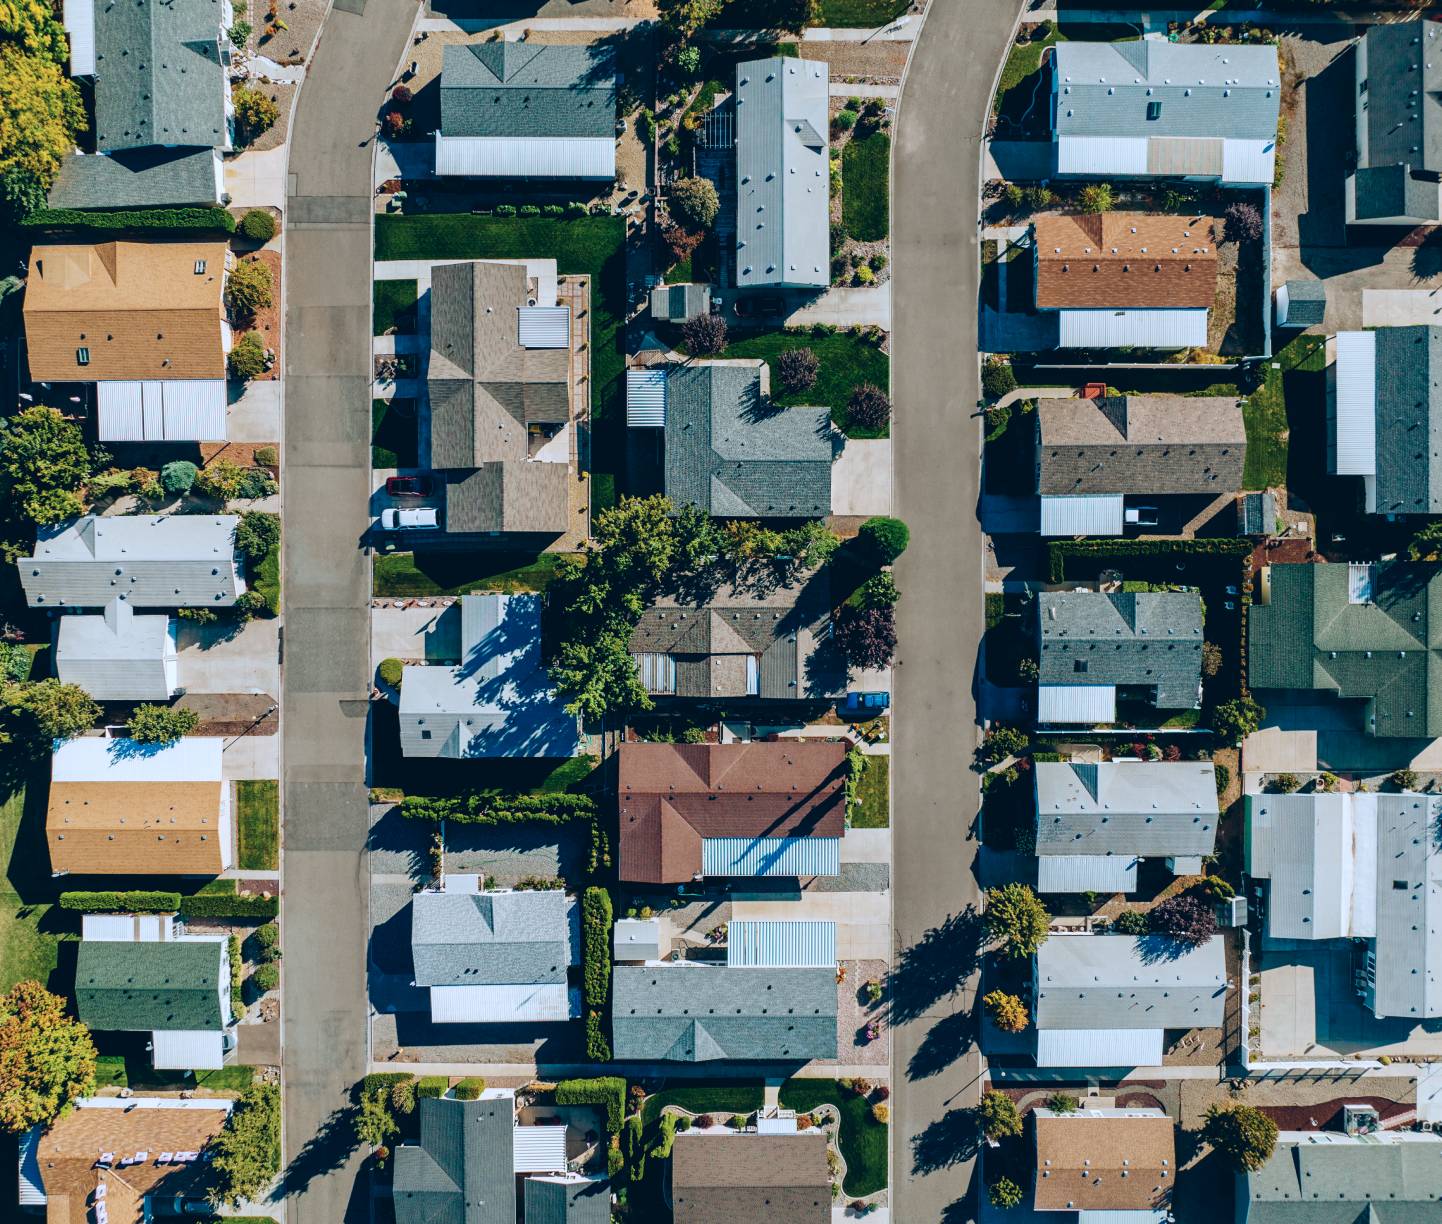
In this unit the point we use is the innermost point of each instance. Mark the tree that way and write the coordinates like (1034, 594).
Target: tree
(869, 408)
(1211, 658)
(685, 17)
(1234, 720)
(688, 60)
(1426, 545)
(158, 724)
(31, 25)
(1000, 743)
(43, 464)
(884, 538)
(1244, 1136)
(255, 113)
(705, 335)
(375, 1123)
(178, 476)
(866, 637)
(1243, 222)
(997, 378)
(681, 242)
(257, 533)
(246, 1153)
(1185, 918)
(21, 193)
(1016, 917)
(796, 370)
(1130, 922)
(999, 1116)
(250, 288)
(1096, 198)
(247, 357)
(258, 225)
(694, 202)
(48, 709)
(1007, 1012)
(1004, 1193)
(40, 114)
(46, 1058)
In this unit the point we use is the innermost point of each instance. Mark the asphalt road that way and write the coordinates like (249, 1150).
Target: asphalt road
(936, 1067)
(327, 594)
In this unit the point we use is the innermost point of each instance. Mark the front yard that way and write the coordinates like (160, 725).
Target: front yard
(862, 1140)
(394, 307)
(393, 434)
(460, 573)
(865, 191)
(872, 809)
(258, 804)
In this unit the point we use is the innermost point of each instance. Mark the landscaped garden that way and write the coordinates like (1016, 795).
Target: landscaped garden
(862, 1138)
(460, 573)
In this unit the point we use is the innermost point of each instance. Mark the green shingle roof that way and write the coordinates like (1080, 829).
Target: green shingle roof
(527, 89)
(461, 1171)
(144, 178)
(146, 986)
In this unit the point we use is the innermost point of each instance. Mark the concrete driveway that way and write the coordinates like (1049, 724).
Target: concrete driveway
(861, 478)
(432, 634)
(212, 660)
(254, 415)
(250, 756)
(863, 920)
(847, 307)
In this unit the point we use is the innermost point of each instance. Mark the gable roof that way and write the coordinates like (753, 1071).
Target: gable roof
(527, 89)
(117, 655)
(1113, 982)
(1141, 809)
(568, 1199)
(1102, 260)
(718, 1177)
(1140, 444)
(734, 454)
(1401, 125)
(171, 986)
(461, 1171)
(1407, 366)
(1323, 1177)
(1104, 1160)
(514, 495)
(140, 178)
(693, 1012)
(485, 939)
(138, 309)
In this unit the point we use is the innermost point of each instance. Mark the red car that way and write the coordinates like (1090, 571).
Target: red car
(408, 486)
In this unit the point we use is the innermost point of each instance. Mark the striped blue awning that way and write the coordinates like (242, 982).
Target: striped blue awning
(781, 945)
(771, 856)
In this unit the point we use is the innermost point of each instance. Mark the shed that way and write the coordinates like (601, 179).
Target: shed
(1301, 303)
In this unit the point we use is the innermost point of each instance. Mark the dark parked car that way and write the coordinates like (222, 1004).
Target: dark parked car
(756, 306)
(409, 486)
(857, 702)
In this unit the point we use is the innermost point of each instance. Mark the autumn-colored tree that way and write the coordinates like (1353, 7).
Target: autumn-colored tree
(255, 113)
(46, 1058)
(31, 26)
(40, 113)
(1007, 1011)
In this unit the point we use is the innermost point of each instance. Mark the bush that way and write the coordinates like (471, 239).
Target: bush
(1404, 780)
(998, 418)
(255, 113)
(608, 1091)
(158, 724)
(470, 1088)
(266, 977)
(1062, 1103)
(1223, 775)
(596, 920)
(228, 905)
(1185, 918)
(878, 591)
(1096, 198)
(1211, 658)
(1206, 546)
(505, 210)
(1004, 1193)
(247, 358)
(207, 220)
(883, 538)
(1243, 222)
(869, 408)
(267, 456)
(866, 637)
(694, 202)
(999, 1116)
(140, 902)
(844, 120)
(258, 225)
(796, 370)
(705, 335)
(257, 534)
(431, 1086)
(1130, 922)
(391, 671)
(1234, 720)
(266, 942)
(997, 378)
(250, 288)
(226, 480)
(178, 476)
(529, 210)
(239, 34)
(481, 807)
(1286, 783)
(881, 1112)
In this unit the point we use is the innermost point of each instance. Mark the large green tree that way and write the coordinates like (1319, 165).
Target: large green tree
(1245, 1136)
(31, 25)
(46, 1058)
(246, 1154)
(160, 724)
(43, 464)
(1016, 918)
(40, 113)
(48, 709)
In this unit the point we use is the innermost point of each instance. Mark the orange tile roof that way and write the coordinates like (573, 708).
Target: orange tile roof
(123, 828)
(139, 308)
(1124, 260)
(1090, 1161)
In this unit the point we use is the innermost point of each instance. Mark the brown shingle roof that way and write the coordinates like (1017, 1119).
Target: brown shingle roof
(672, 796)
(721, 1178)
(1095, 1161)
(140, 309)
(124, 828)
(1124, 260)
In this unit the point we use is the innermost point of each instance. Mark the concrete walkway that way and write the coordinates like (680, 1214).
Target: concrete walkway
(903, 29)
(840, 89)
(848, 307)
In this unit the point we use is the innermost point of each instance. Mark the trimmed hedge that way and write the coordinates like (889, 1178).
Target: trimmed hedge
(229, 905)
(596, 917)
(607, 1090)
(482, 808)
(470, 1088)
(120, 902)
(1058, 551)
(212, 219)
(431, 1086)
(382, 1081)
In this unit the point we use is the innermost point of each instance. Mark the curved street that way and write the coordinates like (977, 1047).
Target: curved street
(327, 595)
(936, 1066)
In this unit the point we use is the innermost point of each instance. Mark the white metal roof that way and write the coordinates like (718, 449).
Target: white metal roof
(1092, 1047)
(1076, 873)
(181, 1050)
(526, 156)
(646, 398)
(1088, 155)
(536, 1004)
(93, 758)
(781, 945)
(637, 939)
(1356, 403)
(127, 928)
(1163, 329)
(80, 25)
(1248, 161)
(543, 327)
(1082, 514)
(1076, 704)
(182, 410)
(539, 1149)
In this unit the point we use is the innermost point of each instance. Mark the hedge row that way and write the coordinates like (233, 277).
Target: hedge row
(484, 808)
(596, 916)
(378, 1081)
(120, 902)
(211, 219)
(432, 1086)
(229, 905)
(1059, 550)
(607, 1090)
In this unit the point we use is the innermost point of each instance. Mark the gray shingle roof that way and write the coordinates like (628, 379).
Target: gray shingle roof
(568, 1200)
(173, 986)
(1147, 639)
(489, 939)
(1409, 419)
(677, 303)
(1146, 809)
(1401, 128)
(158, 74)
(701, 1013)
(528, 89)
(142, 178)
(461, 1172)
(734, 454)
(1126, 982)
(118, 656)
(1391, 1177)
(516, 496)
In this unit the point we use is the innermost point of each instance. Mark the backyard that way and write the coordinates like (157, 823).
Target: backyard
(30, 928)
(258, 803)
(461, 572)
(1292, 376)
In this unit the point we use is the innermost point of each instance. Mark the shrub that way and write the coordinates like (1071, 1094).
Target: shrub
(226, 480)
(258, 225)
(997, 378)
(255, 113)
(1096, 198)
(866, 637)
(1130, 922)
(484, 808)
(596, 921)
(705, 1121)
(844, 120)
(1016, 917)
(1185, 918)
(999, 1116)
(704, 335)
(796, 370)
(505, 210)
(239, 34)
(257, 534)
(267, 456)
(608, 1091)
(391, 671)
(158, 724)
(552, 210)
(1007, 1012)
(139, 902)
(1216, 888)
(1404, 780)
(869, 407)
(884, 538)
(1286, 783)
(177, 477)
(431, 1086)
(1243, 222)
(878, 591)
(1004, 1193)
(266, 977)
(250, 288)
(694, 202)
(1062, 1103)
(1224, 777)
(470, 1088)
(998, 418)
(403, 1097)
(228, 905)
(207, 220)
(1234, 720)
(881, 1112)
(1244, 1136)
(1211, 658)
(247, 358)
(402, 95)
(266, 942)
(529, 210)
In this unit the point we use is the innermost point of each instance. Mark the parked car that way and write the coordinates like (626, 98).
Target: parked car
(420, 519)
(409, 486)
(857, 702)
(759, 304)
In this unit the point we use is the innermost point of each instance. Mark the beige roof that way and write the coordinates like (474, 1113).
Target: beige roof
(1103, 260)
(68, 1152)
(1103, 1160)
(121, 828)
(139, 308)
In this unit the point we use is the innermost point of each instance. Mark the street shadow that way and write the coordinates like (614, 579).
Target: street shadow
(324, 1152)
(953, 1138)
(934, 967)
(945, 1042)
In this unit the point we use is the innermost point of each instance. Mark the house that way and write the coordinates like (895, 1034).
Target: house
(1387, 404)
(1394, 179)
(783, 175)
(496, 956)
(1107, 1000)
(1094, 453)
(1096, 821)
(139, 1157)
(121, 808)
(567, 1198)
(729, 449)
(1154, 109)
(118, 655)
(160, 71)
(1091, 644)
(1361, 867)
(1365, 633)
(690, 811)
(496, 702)
(148, 560)
(499, 385)
(1322, 1177)
(770, 645)
(470, 1153)
(526, 110)
(140, 178)
(145, 322)
(1105, 1159)
(139, 973)
(719, 1176)
(1131, 280)
(678, 303)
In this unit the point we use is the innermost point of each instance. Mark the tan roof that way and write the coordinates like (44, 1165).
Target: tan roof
(139, 308)
(1124, 260)
(68, 1153)
(723, 1178)
(1098, 1160)
(121, 828)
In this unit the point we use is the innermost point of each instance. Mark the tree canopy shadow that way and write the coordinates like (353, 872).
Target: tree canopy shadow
(946, 1041)
(934, 967)
(324, 1152)
(951, 1139)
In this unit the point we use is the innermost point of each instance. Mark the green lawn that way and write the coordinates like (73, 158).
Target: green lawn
(258, 802)
(1265, 413)
(1018, 77)
(31, 928)
(395, 307)
(873, 795)
(865, 178)
(860, 13)
(265, 578)
(118, 1071)
(459, 573)
(846, 361)
(862, 1139)
(720, 1099)
(393, 435)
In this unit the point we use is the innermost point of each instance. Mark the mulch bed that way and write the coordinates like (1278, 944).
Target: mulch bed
(267, 322)
(1328, 1114)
